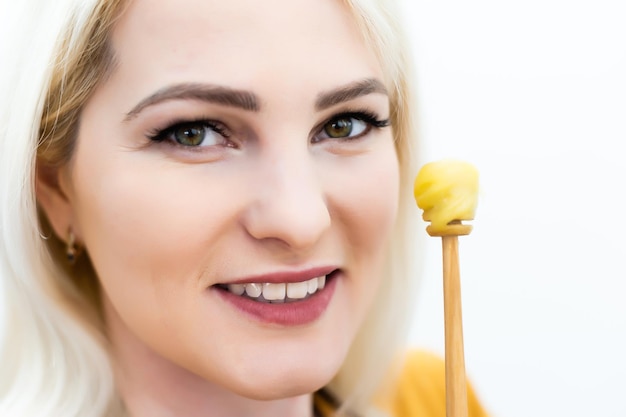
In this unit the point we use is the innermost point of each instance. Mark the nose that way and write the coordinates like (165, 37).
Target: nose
(289, 204)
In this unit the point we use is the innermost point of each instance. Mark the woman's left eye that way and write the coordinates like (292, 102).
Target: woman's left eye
(344, 127)
(349, 126)
(190, 135)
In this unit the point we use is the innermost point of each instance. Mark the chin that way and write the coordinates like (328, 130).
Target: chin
(285, 380)
(286, 388)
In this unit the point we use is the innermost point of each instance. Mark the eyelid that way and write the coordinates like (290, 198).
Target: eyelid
(160, 134)
(367, 116)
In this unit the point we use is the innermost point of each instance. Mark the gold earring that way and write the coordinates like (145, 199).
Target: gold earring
(70, 250)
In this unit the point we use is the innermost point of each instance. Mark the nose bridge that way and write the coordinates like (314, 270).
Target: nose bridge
(289, 202)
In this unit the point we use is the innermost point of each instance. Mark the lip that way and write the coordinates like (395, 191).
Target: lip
(296, 313)
(285, 276)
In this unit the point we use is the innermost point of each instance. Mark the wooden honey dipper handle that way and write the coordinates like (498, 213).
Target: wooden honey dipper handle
(447, 192)
(456, 386)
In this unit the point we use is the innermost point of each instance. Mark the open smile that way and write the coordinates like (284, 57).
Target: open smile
(284, 303)
(284, 292)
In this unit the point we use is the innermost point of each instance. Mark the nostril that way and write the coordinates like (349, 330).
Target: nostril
(299, 220)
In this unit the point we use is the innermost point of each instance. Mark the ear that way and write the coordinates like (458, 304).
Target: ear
(53, 200)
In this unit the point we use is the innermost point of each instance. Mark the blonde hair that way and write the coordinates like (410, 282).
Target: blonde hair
(53, 358)
(52, 348)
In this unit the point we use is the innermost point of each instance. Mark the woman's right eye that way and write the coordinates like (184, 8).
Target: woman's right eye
(193, 134)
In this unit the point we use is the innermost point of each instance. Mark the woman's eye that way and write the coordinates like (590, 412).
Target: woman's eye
(193, 134)
(349, 126)
(190, 135)
(344, 127)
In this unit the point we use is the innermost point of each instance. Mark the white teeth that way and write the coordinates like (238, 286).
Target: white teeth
(272, 292)
(321, 282)
(297, 290)
(253, 290)
(312, 285)
(279, 292)
(238, 289)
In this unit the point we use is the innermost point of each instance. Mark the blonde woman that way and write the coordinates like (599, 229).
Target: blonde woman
(204, 210)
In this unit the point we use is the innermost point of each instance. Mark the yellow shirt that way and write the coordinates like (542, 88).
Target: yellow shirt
(420, 391)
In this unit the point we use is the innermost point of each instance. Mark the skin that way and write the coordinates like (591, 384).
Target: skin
(163, 223)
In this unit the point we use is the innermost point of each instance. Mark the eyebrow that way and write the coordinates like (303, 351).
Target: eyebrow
(204, 92)
(247, 100)
(349, 92)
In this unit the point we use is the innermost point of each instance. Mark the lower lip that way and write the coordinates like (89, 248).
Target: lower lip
(295, 313)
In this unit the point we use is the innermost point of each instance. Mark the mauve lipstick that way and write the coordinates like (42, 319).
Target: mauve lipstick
(294, 313)
(285, 276)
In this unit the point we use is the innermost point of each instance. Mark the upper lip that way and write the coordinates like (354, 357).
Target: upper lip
(285, 276)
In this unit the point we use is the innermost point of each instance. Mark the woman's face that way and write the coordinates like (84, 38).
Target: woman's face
(238, 146)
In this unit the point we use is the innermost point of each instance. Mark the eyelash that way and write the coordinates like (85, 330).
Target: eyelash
(161, 135)
(364, 115)
(372, 120)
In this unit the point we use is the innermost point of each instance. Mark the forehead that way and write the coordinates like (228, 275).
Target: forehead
(243, 43)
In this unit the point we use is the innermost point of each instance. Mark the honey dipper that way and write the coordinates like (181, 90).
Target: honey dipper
(447, 191)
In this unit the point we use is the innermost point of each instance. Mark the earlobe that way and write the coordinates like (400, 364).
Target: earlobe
(53, 200)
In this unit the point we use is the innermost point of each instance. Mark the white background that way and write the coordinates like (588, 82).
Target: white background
(533, 92)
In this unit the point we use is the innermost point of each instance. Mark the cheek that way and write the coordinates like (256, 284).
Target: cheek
(367, 200)
(365, 211)
(147, 229)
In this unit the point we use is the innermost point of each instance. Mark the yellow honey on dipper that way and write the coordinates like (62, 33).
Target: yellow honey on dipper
(447, 191)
